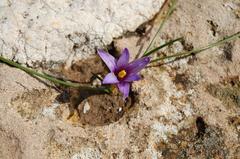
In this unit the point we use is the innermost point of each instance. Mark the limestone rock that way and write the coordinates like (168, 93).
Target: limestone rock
(55, 31)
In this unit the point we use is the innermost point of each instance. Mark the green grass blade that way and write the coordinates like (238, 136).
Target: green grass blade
(170, 11)
(50, 78)
(162, 46)
(196, 51)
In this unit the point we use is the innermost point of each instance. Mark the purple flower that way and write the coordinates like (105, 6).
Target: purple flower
(122, 73)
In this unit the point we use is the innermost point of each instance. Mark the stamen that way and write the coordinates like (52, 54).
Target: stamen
(122, 74)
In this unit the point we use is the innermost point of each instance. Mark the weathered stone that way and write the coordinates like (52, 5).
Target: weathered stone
(57, 31)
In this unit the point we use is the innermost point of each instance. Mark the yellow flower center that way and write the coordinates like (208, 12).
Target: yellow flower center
(122, 74)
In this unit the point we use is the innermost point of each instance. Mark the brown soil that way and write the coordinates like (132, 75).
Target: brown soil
(103, 109)
(93, 107)
(83, 71)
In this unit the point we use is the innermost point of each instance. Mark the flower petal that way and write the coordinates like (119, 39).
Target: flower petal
(110, 79)
(124, 87)
(132, 77)
(108, 59)
(124, 58)
(137, 65)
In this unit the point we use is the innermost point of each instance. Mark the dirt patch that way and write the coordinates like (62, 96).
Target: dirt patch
(93, 107)
(30, 104)
(10, 146)
(83, 71)
(98, 109)
(228, 91)
(103, 109)
(189, 144)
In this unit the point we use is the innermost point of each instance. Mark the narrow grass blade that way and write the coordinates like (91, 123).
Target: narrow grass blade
(50, 78)
(196, 51)
(170, 11)
(162, 46)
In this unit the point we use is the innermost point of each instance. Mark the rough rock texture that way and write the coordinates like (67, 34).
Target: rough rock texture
(189, 108)
(55, 31)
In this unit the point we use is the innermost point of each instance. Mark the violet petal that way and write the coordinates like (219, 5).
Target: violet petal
(132, 77)
(137, 65)
(110, 79)
(124, 87)
(123, 59)
(108, 59)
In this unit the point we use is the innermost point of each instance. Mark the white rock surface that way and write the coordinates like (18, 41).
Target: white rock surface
(55, 31)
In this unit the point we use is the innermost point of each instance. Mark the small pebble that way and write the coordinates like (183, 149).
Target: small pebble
(86, 108)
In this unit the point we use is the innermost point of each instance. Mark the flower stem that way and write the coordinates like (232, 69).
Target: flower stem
(170, 11)
(50, 78)
(196, 51)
